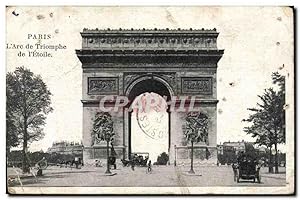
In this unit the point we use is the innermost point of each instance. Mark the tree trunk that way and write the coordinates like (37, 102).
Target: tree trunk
(276, 155)
(276, 159)
(192, 156)
(270, 161)
(25, 164)
(107, 156)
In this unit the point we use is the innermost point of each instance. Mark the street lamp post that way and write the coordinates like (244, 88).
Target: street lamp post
(107, 138)
(192, 158)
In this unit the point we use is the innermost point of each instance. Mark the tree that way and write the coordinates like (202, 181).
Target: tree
(279, 80)
(263, 138)
(28, 102)
(196, 131)
(268, 119)
(11, 134)
(162, 159)
(104, 131)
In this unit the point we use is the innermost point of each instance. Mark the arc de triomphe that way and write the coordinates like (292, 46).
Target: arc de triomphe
(131, 62)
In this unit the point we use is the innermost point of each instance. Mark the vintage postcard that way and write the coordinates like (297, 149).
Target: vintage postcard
(150, 100)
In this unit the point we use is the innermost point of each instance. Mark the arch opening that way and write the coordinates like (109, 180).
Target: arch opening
(149, 129)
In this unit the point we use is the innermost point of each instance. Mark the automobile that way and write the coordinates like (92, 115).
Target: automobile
(248, 168)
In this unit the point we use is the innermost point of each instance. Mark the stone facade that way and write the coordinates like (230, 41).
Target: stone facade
(122, 62)
(64, 147)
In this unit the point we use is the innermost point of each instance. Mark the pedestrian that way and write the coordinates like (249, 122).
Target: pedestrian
(113, 155)
(149, 168)
(76, 161)
(132, 165)
(39, 166)
(98, 163)
(82, 164)
(235, 171)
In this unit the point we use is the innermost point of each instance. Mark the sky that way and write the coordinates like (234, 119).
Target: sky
(257, 41)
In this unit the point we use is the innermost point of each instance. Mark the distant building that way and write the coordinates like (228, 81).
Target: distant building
(234, 146)
(228, 151)
(65, 147)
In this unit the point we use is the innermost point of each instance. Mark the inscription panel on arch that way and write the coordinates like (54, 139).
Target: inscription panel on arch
(197, 85)
(103, 85)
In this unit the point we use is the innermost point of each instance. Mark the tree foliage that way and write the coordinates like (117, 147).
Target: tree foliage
(11, 135)
(27, 104)
(162, 159)
(267, 119)
(279, 80)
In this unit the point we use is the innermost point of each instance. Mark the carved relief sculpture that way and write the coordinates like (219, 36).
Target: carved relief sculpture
(103, 85)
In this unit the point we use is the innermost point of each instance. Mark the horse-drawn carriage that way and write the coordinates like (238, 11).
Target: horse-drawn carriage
(76, 161)
(137, 159)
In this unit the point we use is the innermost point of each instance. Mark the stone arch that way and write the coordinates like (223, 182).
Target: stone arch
(127, 66)
(166, 89)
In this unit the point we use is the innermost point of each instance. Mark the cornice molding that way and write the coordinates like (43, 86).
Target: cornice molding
(149, 46)
(149, 39)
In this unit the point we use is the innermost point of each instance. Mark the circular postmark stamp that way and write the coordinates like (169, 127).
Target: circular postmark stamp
(152, 120)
